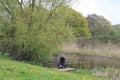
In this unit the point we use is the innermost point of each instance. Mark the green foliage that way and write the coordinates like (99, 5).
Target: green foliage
(112, 33)
(31, 32)
(98, 25)
(116, 28)
(75, 20)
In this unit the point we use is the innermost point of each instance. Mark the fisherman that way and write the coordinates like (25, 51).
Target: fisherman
(62, 63)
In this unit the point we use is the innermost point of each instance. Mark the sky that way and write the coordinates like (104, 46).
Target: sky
(110, 9)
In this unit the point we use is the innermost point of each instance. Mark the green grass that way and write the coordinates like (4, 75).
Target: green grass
(13, 70)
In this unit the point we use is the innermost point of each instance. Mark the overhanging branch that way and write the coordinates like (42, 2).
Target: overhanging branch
(6, 8)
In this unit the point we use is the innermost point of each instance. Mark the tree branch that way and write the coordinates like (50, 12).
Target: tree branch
(8, 4)
(20, 4)
(6, 8)
(31, 5)
(54, 7)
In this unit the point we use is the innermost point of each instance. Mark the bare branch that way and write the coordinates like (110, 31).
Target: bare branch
(20, 4)
(6, 8)
(31, 5)
(9, 7)
(55, 4)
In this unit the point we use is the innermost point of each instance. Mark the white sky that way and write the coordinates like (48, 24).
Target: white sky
(110, 9)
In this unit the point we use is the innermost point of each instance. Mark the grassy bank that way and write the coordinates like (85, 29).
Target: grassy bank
(13, 70)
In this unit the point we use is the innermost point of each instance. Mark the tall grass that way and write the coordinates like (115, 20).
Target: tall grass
(103, 49)
(108, 49)
(70, 47)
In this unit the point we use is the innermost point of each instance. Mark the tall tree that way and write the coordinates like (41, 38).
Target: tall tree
(75, 20)
(29, 30)
(98, 25)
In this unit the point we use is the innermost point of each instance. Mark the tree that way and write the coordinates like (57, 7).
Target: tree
(98, 25)
(30, 30)
(75, 20)
(116, 28)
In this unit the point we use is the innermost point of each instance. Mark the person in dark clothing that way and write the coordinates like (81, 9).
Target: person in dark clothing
(62, 62)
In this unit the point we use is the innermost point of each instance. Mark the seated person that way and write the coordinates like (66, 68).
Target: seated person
(62, 62)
